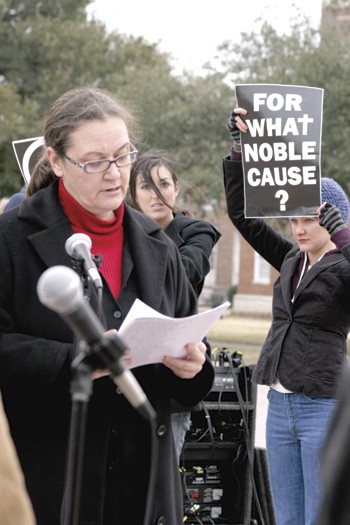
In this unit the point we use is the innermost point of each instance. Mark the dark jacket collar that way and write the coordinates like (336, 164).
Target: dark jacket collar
(290, 266)
(145, 239)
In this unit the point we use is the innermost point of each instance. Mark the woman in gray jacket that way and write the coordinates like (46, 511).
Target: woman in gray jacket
(304, 353)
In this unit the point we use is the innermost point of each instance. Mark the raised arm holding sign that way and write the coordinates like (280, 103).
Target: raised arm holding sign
(304, 354)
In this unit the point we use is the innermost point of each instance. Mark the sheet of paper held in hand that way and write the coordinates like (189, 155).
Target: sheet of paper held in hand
(150, 335)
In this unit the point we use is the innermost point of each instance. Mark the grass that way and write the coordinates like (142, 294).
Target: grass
(237, 329)
(238, 333)
(244, 334)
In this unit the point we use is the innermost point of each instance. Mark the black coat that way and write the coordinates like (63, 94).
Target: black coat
(195, 240)
(36, 349)
(306, 344)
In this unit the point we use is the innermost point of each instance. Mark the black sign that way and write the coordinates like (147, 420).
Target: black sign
(281, 150)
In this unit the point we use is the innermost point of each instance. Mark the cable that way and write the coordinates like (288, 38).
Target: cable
(247, 439)
(210, 429)
(193, 507)
(226, 427)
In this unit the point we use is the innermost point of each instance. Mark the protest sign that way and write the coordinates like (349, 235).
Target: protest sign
(281, 151)
(27, 152)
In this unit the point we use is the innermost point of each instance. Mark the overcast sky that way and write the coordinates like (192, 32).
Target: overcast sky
(189, 30)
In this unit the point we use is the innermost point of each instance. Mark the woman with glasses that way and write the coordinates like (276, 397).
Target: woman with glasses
(154, 189)
(79, 186)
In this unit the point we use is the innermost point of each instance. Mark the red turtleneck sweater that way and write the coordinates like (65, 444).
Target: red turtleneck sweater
(106, 236)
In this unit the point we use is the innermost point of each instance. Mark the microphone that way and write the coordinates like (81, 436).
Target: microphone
(78, 246)
(59, 288)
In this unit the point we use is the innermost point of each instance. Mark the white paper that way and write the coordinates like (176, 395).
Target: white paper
(150, 335)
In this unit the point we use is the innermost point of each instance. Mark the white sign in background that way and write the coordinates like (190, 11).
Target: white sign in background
(27, 152)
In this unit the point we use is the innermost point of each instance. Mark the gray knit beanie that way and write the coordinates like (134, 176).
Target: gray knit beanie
(333, 193)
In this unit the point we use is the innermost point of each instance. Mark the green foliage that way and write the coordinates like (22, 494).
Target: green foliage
(267, 57)
(49, 46)
(17, 120)
(13, 11)
(307, 57)
(191, 126)
(333, 71)
(231, 292)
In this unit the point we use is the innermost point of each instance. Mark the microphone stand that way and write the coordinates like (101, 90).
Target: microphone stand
(104, 354)
(81, 390)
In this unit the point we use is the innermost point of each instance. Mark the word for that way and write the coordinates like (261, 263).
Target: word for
(276, 101)
(279, 151)
(282, 176)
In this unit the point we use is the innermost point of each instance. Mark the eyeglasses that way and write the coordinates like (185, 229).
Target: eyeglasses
(98, 166)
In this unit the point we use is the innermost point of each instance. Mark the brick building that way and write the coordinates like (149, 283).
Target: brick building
(234, 263)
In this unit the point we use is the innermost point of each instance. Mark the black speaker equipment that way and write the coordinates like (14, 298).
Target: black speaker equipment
(217, 461)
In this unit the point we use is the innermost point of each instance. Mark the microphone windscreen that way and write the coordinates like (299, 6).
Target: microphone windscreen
(74, 240)
(59, 288)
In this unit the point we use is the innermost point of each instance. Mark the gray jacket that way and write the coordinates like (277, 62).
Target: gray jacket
(306, 344)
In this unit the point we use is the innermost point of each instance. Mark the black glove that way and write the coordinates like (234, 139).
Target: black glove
(331, 219)
(232, 127)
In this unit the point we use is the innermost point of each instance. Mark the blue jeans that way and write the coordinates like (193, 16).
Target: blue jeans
(181, 422)
(296, 428)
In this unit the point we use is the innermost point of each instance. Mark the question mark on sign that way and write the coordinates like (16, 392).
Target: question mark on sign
(283, 196)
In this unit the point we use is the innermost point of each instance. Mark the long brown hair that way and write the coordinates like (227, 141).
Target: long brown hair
(66, 114)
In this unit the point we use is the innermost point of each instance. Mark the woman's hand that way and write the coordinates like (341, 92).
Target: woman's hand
(330, 218)
(240, 123)
(235, 126)
(190, 366)
(126, 359)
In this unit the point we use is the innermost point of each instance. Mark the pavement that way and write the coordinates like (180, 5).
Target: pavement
(260, 418)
